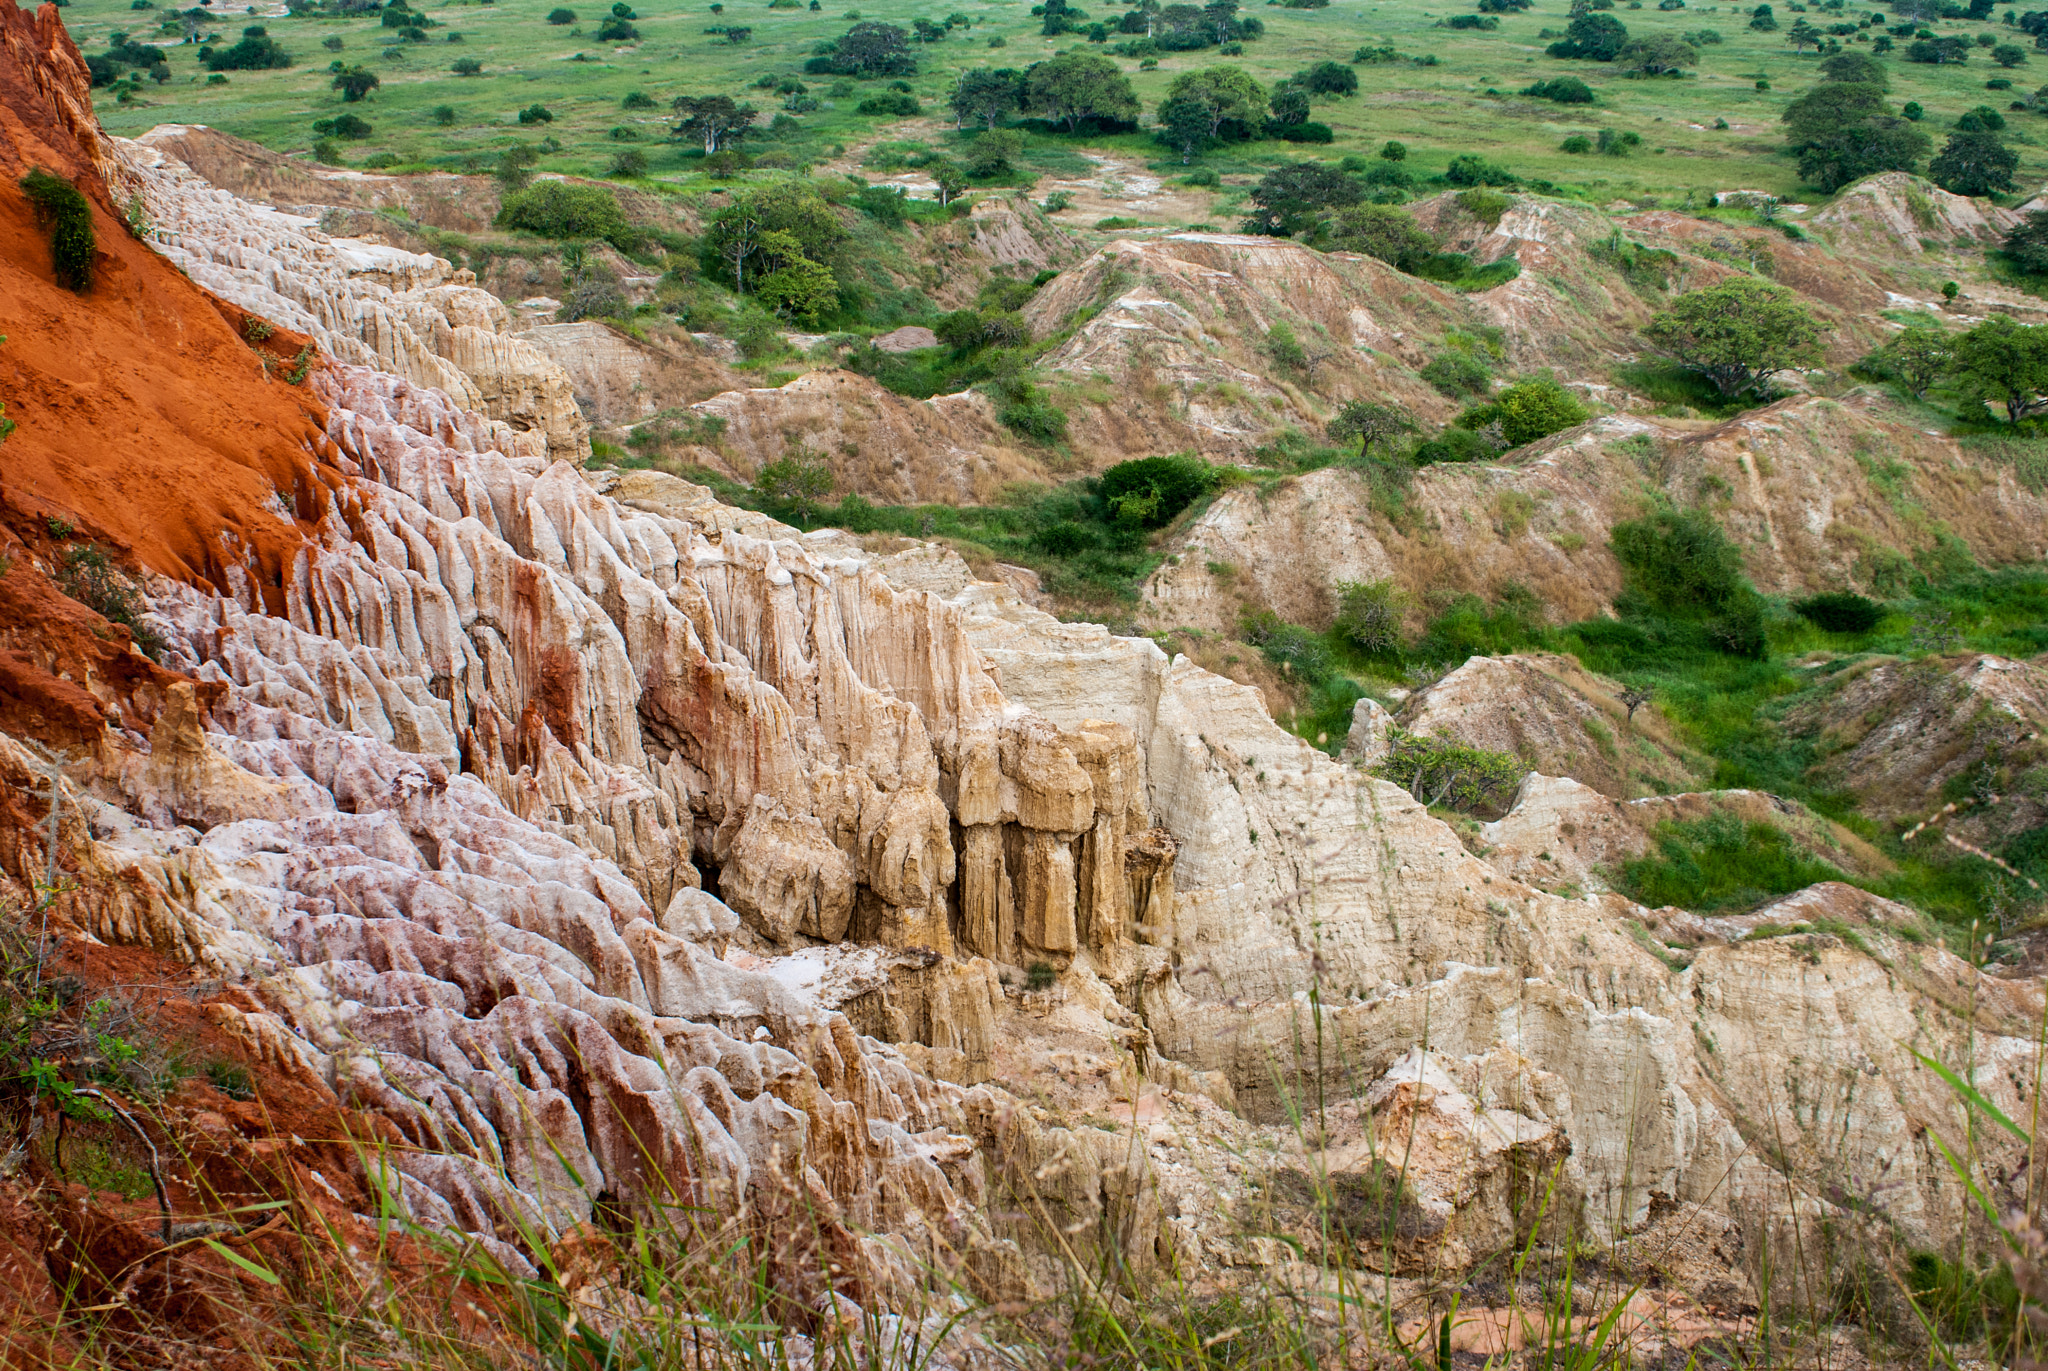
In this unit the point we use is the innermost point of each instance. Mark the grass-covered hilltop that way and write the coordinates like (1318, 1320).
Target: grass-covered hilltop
(1123, 686)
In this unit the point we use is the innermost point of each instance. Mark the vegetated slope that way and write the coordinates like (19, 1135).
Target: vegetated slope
(1819, 494)
(203, 430)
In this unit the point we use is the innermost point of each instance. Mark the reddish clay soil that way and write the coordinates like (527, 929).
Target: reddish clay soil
(143, 417)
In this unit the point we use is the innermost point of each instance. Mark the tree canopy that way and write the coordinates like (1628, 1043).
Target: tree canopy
(985, 95)
(1591, 36)
(2007, 363)
(1974, 163)
(1078, 87)
(716, 120)
(1843, 131)
(867, 49)
(1293, 198)
(1211, 105)
(1738, 333)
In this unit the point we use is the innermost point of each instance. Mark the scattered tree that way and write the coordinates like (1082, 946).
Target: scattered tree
(800, 479)
(867, 49)
(2006, 362)
(1659, 55)
(1591, 37)
(1292, 198)
(355, 82)
(2027, 244)
(718, 121)
(1914, 357)
(561, 17)
(1842, 131)
(986, 96)
(1369, 422)
(1738, 333)
(1369, 615)
(1080, 86)
(1974, 163)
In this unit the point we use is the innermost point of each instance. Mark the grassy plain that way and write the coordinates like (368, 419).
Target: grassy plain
(1439, 111)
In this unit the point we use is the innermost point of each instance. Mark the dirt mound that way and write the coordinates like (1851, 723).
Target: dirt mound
(1911, 738)
(1559, 718)
(879, 444)
(145, 420)
(1896, 213)
(1820, 494)
(1180, 344)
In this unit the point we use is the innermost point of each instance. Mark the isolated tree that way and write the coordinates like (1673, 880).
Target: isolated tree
(1078, 86)
(1803, 35)
(1292, 198)
(1369, 422)
(2027, 244)
(1328, 78)
(1842, 131)
(1288, 107)
(2006, 362)
(1855, 67)
(1974, 163)
(1379, 231)
(1659, 55)
(355, 82)
(986, 96)
(1213, 98)
(2009, 55)
(1591, 36)
(717, 120)
(950, 178)
(793, 285)
(994, 153)
(1915, 357)
(1737, 333)
(799, 479)
(872, 49)
(735, 236)
(1762, 20)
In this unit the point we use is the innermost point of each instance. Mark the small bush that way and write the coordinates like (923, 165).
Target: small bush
(1369, 616)
(69, 216)
(536, 114)
(1470, 170)
(1563, 90)
(1840, 612)
(893, 103)
(1150, 491)
(1443, 772)
(1457, 374)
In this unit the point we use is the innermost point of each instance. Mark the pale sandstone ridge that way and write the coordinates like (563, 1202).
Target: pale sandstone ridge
(1795, 478)
(1896, 212)
(581, 834)
(407, 313)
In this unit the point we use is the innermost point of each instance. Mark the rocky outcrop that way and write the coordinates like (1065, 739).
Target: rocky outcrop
(408, 313)
(619, 379)
(1895, 214)
(1819, 494)
(1558, 718)
(1182, 331)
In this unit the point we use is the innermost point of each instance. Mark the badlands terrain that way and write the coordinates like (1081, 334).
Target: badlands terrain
(491, 878)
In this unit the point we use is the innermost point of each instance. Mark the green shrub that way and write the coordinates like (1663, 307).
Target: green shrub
(88, 576)
(344, 126)
(892, 103)
(1150, 491)
(1455, 445)
(536, 114)
(1578, 144)
(1443, 772)
(1840, 612)
(1369, 616)
(69, 216)
(1457, 374)
(555, 209)
(1563, 90)
(1682, 565)
(1536, 409)
(1468, 169)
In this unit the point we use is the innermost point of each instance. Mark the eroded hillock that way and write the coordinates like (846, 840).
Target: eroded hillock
(1818, 493)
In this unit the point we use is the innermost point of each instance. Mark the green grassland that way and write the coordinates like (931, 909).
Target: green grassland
(1440, 111)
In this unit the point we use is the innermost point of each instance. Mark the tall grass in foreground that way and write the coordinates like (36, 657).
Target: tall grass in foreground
(285, 1281)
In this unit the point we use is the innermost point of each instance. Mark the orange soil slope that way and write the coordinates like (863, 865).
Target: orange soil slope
(143, 417)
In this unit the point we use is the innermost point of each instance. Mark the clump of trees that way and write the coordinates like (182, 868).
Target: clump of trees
(1081, 90)
(257, 51)
(778, 244)
(556, 209)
